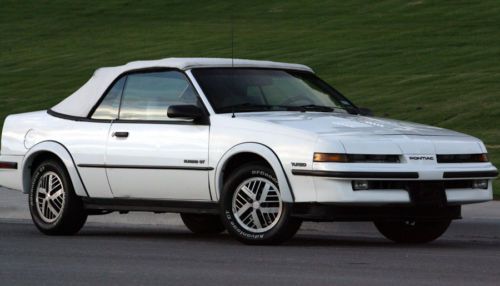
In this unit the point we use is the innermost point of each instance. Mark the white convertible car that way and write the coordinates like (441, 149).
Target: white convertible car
(251, 147)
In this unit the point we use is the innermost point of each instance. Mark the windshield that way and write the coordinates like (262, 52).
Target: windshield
(246, 90)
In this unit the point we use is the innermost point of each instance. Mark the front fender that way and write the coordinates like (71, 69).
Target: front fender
(63, 154)
(266, 153)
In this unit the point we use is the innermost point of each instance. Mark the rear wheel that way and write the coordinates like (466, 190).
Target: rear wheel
(203, 223)
(252, 208)
(413, 231)
(54, 206)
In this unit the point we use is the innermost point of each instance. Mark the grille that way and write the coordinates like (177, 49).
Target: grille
(369, 158)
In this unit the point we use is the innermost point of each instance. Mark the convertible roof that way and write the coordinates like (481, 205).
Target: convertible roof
(83, 100)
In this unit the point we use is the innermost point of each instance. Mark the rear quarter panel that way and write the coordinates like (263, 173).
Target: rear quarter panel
(12, 147)
(85, 142)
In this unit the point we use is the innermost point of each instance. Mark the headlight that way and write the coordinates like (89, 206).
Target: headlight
(462, 158)
(355, 158)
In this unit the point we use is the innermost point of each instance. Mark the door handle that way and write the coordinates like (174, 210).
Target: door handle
(120, 134)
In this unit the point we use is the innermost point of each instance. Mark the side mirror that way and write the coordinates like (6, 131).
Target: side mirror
(365, 111)
(184, 112)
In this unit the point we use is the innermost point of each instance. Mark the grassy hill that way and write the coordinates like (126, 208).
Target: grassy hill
(433, 62)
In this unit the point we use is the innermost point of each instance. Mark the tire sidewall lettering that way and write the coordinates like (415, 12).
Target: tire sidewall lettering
(239, 230)
(228, 214)
(261, 173)
(34, 181)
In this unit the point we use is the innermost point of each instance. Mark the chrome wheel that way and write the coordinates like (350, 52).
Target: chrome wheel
(49, 197)
(257, 205)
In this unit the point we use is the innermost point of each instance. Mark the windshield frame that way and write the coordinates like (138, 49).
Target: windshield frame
(339, 97)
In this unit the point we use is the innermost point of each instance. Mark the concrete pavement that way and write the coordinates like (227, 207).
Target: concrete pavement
(149, 249)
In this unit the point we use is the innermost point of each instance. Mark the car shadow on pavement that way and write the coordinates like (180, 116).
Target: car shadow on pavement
(301, 240)
(149, 233)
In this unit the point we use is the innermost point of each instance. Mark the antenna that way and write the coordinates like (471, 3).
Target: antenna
(232, 52)
(232, 34)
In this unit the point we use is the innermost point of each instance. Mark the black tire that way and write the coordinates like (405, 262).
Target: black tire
(203, 223)
(412, 231)
(72, 215)
(283, 227)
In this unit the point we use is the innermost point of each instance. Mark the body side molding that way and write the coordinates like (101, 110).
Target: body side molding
(470, 174)
(371, 175)
(189, 168)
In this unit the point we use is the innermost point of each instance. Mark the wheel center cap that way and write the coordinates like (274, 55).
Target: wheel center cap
(256, 205)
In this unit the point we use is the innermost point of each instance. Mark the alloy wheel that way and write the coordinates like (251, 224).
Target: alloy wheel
(50, 197)
(257, 205)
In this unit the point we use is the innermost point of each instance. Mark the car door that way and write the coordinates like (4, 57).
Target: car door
(152, 156)
(87, 142)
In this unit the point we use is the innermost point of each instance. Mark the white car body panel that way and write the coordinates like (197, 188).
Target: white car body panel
(87, 143)
(159, 146)
(12, 178)
(281, 138)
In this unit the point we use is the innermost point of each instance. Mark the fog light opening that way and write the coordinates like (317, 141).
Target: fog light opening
(360, 185)
(480, 184)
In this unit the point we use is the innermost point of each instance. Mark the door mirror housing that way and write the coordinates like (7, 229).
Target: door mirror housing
(185, 112)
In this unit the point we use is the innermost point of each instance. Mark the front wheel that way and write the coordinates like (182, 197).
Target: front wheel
(54, 206)
(252, 208)
(413, 231)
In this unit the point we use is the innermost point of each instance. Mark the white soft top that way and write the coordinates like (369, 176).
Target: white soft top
(83, 100)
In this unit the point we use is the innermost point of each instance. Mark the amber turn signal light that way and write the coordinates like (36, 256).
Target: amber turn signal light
(330, 157)
(483, 158)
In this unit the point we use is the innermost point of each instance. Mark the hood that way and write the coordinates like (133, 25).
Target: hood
(345, 124)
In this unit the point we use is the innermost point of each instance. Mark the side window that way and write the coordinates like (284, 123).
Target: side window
(147, 96)
(108, 108)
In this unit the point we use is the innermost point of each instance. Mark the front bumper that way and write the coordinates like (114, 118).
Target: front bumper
(333, 182)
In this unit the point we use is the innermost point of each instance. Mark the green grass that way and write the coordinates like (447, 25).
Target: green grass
(433, 62)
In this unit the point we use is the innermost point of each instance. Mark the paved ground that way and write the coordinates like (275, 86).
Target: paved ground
(147, 249)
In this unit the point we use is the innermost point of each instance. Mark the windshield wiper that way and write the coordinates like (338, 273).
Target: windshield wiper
(249, 107)
(311, 107)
